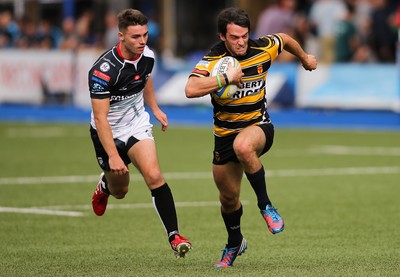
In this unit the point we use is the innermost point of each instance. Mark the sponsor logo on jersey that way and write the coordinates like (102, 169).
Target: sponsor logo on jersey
(137, 80)
(217, 156)
(122, 97)
(149, 133)
(100, 81)
(97, 87)
(105, 67)
(259, 69)
(100, 161)
(101, 75)
(249, 88)
(110, 62)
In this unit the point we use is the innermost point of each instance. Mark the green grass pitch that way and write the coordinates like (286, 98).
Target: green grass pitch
(338, 192)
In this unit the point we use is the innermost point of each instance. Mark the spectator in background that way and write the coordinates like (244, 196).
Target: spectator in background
(79, 34)
(5, 39)
(362, 15)
(83, 28)
(383, 32)
(324, 17)
(362, 20)
(48, 35)
(154, 33)
(46, 42)
(28, 35)
(276, 18)
(9, 26)
(346, 39)
(69, 39)
(279, 17)
(110, 38)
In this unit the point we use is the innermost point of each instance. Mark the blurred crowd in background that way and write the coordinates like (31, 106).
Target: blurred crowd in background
(338, 30)
(360, 31)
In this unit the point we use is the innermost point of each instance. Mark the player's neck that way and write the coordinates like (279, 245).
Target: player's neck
(126, 55)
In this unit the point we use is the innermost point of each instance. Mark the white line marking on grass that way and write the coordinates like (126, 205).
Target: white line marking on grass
(48, 180)
(138, 205)
(95, 178)
(334, 171)
(38, 211)
(357, 150)
(56, 210)
(205, 175)
(36, 132)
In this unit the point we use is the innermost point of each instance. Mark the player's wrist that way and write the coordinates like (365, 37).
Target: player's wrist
(219, 81)
(225, 78)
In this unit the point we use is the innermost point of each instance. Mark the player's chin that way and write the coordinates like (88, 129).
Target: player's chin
(240, 52)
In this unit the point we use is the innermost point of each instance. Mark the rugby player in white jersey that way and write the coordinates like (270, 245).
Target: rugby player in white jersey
(120, 85)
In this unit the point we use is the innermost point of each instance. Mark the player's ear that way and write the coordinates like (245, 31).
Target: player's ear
(121, 36)
(221, 37)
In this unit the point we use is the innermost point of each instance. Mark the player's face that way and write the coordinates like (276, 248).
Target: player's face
(236, 39)
(133, 40)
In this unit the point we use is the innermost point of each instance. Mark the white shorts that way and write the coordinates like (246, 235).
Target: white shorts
(140, 128)
(124, 137)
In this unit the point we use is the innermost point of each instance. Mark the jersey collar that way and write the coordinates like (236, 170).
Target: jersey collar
(122, 56)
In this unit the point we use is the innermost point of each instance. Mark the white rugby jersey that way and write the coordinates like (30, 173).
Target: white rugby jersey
(122, 81)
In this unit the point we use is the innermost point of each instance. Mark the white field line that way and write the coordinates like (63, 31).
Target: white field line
(38, 211)
(356, 150)
(339, 150)
(207, 175)
(148, 205)
(334, 171)
(56, 210)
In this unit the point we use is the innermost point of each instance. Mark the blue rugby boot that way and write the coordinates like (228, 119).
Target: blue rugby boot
(229, 255)
(273, 219)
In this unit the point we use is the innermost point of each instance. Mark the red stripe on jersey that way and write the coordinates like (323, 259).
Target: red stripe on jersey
(101, 75)
(201, 72)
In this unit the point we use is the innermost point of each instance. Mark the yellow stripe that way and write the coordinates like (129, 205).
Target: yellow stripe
(238, 117)
(223, 132)
(261, 58)
(236, 102)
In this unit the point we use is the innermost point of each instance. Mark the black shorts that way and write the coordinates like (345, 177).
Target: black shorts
(101, 155)
(223, 146)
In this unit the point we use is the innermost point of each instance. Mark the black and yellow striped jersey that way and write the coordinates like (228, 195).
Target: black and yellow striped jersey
(248, 106)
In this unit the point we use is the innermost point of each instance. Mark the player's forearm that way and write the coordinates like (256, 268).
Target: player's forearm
(198, 87)
(293, 47)
(106, 137)
(149, 96)
(150, 100)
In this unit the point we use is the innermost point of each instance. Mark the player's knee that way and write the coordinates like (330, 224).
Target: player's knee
(242, 149)
(229, 201)
(153, 177)
(120, 192)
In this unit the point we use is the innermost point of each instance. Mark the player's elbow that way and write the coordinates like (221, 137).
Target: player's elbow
(190, 89)
(189, 92)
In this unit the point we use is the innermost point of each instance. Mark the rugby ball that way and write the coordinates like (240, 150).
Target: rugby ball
(221, 67)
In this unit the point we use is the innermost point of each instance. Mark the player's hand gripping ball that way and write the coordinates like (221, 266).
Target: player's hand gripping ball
(220, 68)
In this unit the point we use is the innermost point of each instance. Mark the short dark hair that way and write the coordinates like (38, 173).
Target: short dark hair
(129, 17)
(233, 15)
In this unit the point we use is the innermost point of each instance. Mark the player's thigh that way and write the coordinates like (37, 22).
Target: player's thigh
(250, 139)
(227, 178)
(143, 155)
